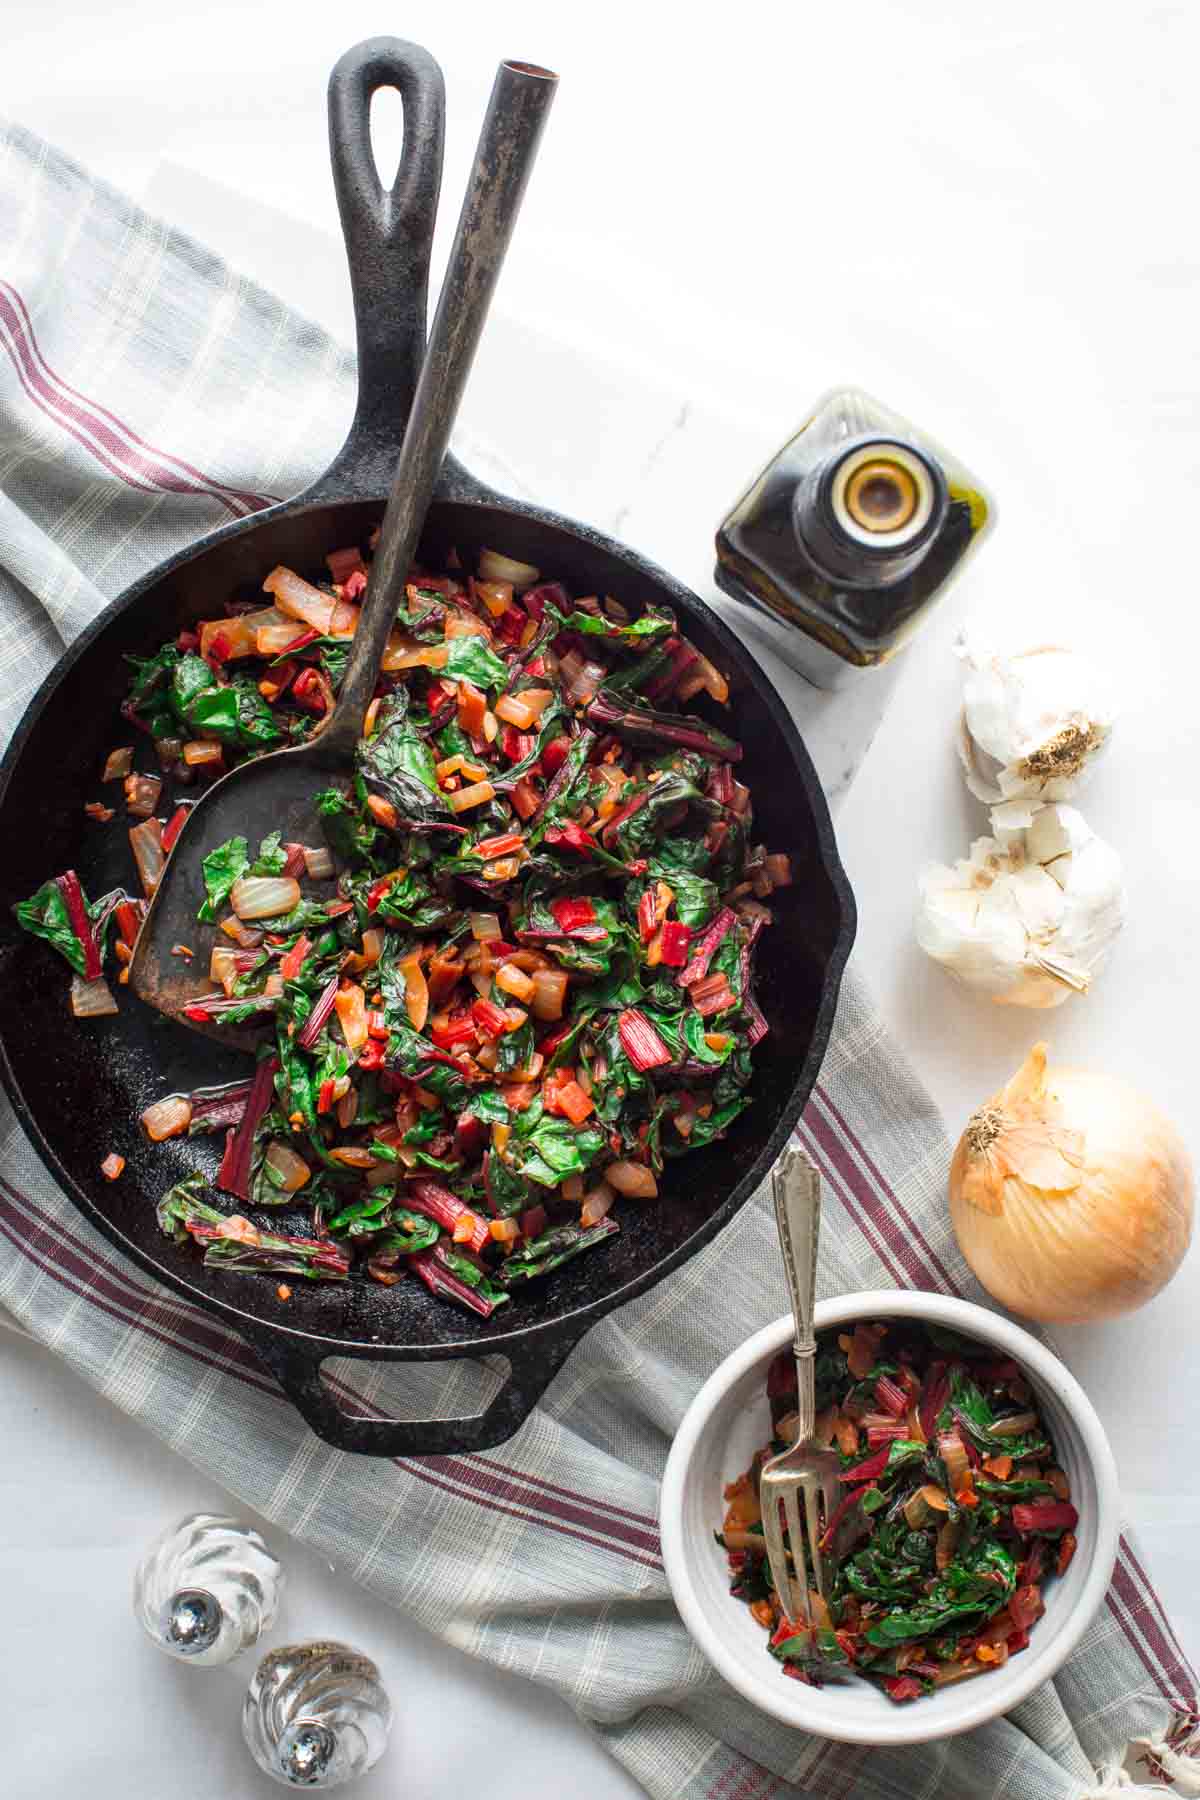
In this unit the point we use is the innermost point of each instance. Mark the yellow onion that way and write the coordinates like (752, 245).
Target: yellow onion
(1071, 1195)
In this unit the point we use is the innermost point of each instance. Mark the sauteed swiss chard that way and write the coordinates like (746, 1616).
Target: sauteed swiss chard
(954, 1514)
(514, 976)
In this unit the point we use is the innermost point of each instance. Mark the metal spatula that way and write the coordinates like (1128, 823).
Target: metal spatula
(806, 1472)
(276, 792)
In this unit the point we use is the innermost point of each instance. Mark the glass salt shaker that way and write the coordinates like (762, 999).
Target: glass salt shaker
(207, 1589)
(849, 536)
(316, 1714)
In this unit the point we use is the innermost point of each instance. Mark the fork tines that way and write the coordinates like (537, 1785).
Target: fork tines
(784, 1488)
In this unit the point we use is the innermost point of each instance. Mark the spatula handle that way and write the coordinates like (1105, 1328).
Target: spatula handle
(796, 1190)
(517, 112)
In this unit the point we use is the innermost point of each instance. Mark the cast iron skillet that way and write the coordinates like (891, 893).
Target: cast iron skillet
(78, 1088)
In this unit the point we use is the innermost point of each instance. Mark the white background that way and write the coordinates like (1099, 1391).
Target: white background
(984, 215)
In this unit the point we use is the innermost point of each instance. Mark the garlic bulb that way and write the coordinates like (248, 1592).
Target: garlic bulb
(1071, 1195)
(1032, 724)
(1030, 915)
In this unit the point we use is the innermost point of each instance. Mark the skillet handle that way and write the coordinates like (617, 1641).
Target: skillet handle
(297, 1371)
(389, 236)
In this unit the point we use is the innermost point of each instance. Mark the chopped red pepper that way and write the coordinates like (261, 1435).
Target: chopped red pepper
(491, 1019)
(505, 845)
(525, 798)
(640, 1042)
(647, 915)
(294, 864)
(454, 1031)
(325, 1097)
(291, 965)
(371, 1055)
(377, 1024)
(550, 1043)
(219, 648)
(674, 948)
(377, 890)
(573, 836)
(72, 894)
(869, 1470)
(511, 624)
(174, 826)
(902, 1687)
(1044, 1516)
(569, 915)
(337, 909)
(311, 691)
(555, 755)
(516, 745)
(130, 914)
(186, 642)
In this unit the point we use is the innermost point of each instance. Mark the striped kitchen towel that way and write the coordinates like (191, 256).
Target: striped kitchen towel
(147, 394)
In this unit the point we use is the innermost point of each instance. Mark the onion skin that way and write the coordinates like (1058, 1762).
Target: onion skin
(1083, 1235)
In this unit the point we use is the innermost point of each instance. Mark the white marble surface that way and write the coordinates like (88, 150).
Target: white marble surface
(984, 218)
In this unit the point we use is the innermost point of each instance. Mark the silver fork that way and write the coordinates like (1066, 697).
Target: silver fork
(806, 1469)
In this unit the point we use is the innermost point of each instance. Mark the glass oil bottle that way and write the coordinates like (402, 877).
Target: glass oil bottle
(849, 537)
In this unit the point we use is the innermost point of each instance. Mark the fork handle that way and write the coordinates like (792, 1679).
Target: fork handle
(796, 1190)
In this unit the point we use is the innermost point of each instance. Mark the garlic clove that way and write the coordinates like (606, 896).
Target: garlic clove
(1032, 724)
(1030, 915)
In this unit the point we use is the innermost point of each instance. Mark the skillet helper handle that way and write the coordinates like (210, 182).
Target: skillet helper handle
(297, 1370)
(796, 1191)
(389, 236)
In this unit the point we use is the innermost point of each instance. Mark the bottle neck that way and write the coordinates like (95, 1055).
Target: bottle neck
(869, 513)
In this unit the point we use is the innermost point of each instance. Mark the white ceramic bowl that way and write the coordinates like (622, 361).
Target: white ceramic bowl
(729, 1420)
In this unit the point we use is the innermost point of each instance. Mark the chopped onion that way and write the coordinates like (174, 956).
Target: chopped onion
(514, 711)
(167, 1118)
(224, 967)
(350, 1004)
(319, 863)
(347, 1109)
(112, 1166)
(514, 981)
(485, 926)
(353, 1156)
(495, 566)
(496, 596)
(290, 1171)
(264, 896)
(549, 993)
(634, 1180)
(300, 600)
(464, 624)
(118, 764)
(277, 638)
(91, 999)
(468, 797)
(702, 674)
(242, 935)
(416, 991)
(273, 985)
(141, 794)
(597, 1204)
(198, 752)
(146, 843)
(402, 652)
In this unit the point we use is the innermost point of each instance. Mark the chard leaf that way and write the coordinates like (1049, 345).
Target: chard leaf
(222, 868)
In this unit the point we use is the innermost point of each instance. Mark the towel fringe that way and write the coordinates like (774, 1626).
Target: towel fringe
(1113, 1779)
(1175, 1758)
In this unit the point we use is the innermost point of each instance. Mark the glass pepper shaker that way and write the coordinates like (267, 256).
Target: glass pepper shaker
(849, 536)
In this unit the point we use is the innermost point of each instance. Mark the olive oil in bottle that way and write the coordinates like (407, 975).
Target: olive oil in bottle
(849, 537)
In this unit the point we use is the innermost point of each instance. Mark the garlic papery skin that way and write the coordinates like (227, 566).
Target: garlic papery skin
(1029, 917)
(1033, 724)
(1071, 1195)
